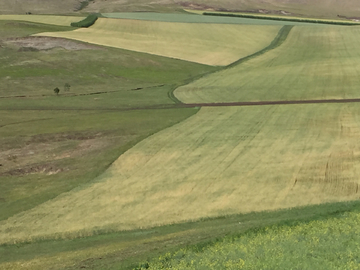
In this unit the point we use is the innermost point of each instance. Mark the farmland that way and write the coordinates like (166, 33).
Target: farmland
(210, 44)
(115, 170)
(203, 167)
(313, 63)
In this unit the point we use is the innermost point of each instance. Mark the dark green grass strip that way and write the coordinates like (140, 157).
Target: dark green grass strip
(279, 39)
(149, 243)
(87, 22)
(279, 18)
(257, 222)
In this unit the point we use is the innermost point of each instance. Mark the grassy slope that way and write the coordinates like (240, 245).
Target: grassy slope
(212, 44)
(37, 6)
(321, 244)
(110, 257)
(294, 155)
(74, 134)
(317, 8)
(124, 250)
(313, 63)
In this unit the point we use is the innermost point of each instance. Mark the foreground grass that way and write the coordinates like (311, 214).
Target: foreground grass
(220, 161)
(211, 44)
(125, 250)
(330, 243)
(313, 63)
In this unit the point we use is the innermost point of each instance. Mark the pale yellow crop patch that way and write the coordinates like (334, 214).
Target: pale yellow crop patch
(312, 63)
(46, 19)
(211, 44)
(221, 161)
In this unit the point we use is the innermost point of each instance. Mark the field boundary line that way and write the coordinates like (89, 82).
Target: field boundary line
(191, 105)
(275, 102)
(277, 41)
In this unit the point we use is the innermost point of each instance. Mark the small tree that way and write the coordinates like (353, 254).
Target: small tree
(67, 87)
(56, 90)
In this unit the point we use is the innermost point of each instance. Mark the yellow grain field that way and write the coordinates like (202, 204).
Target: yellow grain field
(223, 160)
(211, 44)
(313, 63)
(46, 19)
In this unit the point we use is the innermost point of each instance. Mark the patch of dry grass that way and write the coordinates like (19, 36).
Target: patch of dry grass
(220, 161)
(211, 44)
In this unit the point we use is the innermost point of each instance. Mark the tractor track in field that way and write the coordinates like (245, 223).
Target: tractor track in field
(276, 102)
(194, 105)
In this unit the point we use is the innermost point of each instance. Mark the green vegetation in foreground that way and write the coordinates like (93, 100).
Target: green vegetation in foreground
(308, 65)
(326, 243)
(87, 22)
(194, 18)
(279, 18)
(125, 250)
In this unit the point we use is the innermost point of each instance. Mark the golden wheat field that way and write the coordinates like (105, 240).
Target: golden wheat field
(220, 161)
(211, 44)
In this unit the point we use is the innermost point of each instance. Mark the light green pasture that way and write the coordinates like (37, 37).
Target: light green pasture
(313, 63)
(220, 161)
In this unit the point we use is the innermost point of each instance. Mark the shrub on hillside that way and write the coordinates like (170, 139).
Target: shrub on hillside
(87, 22)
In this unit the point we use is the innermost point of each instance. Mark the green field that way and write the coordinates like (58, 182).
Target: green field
(313, 63)
(210, 44)
(220, 161)
(321, 244)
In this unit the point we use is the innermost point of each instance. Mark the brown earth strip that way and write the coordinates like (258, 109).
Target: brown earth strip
(194, 105)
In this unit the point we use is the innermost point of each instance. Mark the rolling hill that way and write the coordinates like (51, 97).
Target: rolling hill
(312, 8)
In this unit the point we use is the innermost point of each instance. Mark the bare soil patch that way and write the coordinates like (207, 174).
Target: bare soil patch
(47, 169)
(39, 43)
(40, 154)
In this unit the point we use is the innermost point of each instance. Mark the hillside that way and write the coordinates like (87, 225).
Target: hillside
(312, 8)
